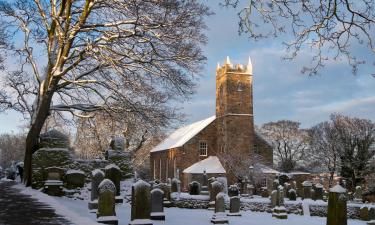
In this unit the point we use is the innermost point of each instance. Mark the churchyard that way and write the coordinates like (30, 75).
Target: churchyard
(102, 194)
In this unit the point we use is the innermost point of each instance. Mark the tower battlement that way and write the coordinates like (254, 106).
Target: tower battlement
(228, 67)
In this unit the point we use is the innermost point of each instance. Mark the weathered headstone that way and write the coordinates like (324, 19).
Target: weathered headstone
(166, 188)
(319, 191)
(97, 176)
(194, 188)
(75, 179)
(157, 210)
(233, 191)
(337, 210)
(372, 213)
(141, 204)
(264, 192)
(219, 216)
(274, 198)
(234, 206)
(175, 185)
(224, 181)
(113, 173)
(292, 195)
(279, 211)
(216, 188)
(281, 196)
(106, 203)
(307, 186)
(358, 194)
(364, 213)
(54, 184)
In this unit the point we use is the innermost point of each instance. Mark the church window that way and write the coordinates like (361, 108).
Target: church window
(203, 148)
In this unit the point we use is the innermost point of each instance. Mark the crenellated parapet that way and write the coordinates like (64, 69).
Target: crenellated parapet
(228, 67)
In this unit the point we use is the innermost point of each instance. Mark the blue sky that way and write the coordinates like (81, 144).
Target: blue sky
(280, 90)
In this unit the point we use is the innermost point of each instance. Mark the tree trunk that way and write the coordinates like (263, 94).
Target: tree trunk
(41, 114)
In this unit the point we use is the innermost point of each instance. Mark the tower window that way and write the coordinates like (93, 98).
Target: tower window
(203, 148)
(240, 86)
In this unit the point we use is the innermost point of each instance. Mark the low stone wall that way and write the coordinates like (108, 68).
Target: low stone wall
(321, 211)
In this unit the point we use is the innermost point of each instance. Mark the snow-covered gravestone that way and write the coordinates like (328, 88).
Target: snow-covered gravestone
(216, 188)
(157, 210)
(224, 181)
(219, 216)
(234, 206)
(364, 213)
(292, 195)
(274, 199)
(319, 191)
(175, 185)
(358, 194)
(97, 176)
(337, 211)
(75, 179)
(194, 188)
(141, 204)
(166, 188)
(279, 211)
(275, 184)
(233, 191)
(307, 186)
(113, 173)
(106, 203)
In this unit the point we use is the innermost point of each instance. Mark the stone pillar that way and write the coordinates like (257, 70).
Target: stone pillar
(141, 204)
(106, 203)
(97, 176)
(219, 217)
(157, 210)
(234, 206)
(337, 211)
(113, 173)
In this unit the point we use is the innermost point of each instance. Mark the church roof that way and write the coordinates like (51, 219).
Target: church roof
(183, 135)
(210, 165)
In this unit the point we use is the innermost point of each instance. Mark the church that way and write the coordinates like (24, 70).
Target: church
(219, 144)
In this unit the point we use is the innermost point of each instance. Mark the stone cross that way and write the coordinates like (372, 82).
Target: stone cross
(234, 206)
(219, 217)
(157, 210)
(337, 210)
(141, 203)
(106, 203)
(97, 176)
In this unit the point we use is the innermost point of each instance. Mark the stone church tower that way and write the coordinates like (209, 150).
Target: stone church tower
(234, 109)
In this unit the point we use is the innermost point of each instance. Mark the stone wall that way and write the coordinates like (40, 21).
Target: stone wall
(321, 211)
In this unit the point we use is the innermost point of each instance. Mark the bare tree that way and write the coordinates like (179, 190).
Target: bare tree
(324, 147)
(288, 140)
(331, 29)
(88, 55)
(356, 138)
(12, 148)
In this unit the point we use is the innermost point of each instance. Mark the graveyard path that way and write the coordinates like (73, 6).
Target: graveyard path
(20, 209)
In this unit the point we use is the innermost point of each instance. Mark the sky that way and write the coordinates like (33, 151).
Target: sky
(280, 90)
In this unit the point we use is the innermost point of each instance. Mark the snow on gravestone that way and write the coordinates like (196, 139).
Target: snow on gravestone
(358, 193)
(224, 181)
(337, 210)
(216, 188)
(75, 179)
(141, 204)
(234, 206)
(106, 203)
(307, 186)
(157, 210)
(113, 173)
(97, 176)
(219, 216)
(233, 191)
(194, 188)
(175, 186)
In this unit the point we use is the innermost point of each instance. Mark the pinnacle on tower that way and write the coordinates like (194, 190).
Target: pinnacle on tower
(227, 61)
(249, 67)
(218, 66)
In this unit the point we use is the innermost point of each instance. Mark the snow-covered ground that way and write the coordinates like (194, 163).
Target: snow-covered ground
(77, 211)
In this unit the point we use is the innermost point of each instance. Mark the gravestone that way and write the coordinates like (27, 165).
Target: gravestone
(275, 184)
(319, 191)
(194, 188)
(372, 213)
(281, 195)
(264, 192)
(233, 191)
(97, 176)
(287, 187)
(234, 206)
(204, 181)
(113, 173)
(364, 213)
(307, 186)
(54, 184)
(358, 194)
(175, 185)
(75, 179)
(274, 198)
(279, 211)
(337, 210)
(166, 188)
(106, 203)
(292, 195)
(219, 216)
(224, 181)
(141, 204)
(157, 210)
(216, 188)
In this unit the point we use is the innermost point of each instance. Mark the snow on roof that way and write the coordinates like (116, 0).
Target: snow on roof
(183, 135)
(210, 165)
(337, 189)
(265, 169)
